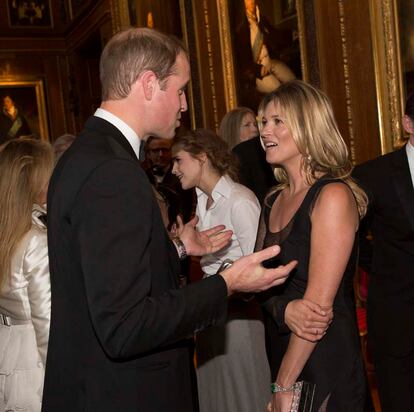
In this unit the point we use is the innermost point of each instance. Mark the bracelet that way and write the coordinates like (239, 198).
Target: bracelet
(181, 250)
(275, 388)
(227, 263)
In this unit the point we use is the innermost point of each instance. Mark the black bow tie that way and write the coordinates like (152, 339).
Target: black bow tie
(43, 218)
(142, 151)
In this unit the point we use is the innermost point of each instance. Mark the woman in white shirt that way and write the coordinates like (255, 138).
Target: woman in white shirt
(232, 370)
(25, 169)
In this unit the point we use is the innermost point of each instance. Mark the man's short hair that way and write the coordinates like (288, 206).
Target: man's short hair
(131, 52)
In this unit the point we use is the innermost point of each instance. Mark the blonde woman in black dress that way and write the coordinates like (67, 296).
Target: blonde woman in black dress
(314, 215)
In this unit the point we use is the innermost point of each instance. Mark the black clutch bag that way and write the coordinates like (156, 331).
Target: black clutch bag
(303, 394)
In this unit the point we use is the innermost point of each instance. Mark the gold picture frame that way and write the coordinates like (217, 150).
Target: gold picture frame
(227, 49)
(29, 98)
(385, 24)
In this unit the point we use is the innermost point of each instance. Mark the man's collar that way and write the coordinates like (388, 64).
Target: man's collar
(126, 130)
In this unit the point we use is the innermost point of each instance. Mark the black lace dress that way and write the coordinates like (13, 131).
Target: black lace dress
(335, 365)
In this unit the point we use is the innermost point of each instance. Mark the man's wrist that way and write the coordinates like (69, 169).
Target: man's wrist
(227, 263)
(179, 245)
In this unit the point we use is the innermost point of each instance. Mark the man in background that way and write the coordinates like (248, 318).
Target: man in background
(389, 261)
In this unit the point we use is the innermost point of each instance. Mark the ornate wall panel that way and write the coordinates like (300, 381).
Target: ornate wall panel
(388, 71)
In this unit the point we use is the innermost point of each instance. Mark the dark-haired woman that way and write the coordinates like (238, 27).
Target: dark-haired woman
(232, 371)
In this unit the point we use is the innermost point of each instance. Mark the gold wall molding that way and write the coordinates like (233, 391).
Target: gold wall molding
(119, 15)
(210, 64)
(300, 9)
(388, 71)
(227, 55)
(348, 95)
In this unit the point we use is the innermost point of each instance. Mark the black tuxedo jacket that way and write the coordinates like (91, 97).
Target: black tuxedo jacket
(118, 317)
(254, 171)
(390, 257)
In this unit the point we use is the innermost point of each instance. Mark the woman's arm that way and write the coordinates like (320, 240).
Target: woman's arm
(334, 223)
(245, 216)
(36, 270)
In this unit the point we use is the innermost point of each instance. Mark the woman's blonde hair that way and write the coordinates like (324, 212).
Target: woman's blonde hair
(231, 123)
(25, 169)
(217, 150)
(309, 117)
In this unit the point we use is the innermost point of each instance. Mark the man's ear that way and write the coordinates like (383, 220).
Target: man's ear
(149, 82)
(408, 124)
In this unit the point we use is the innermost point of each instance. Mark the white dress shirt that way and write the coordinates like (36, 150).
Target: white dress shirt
(410, 155)
(128, 133)
(236, 207)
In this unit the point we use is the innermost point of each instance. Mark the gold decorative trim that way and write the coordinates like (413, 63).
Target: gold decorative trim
(210, 63)
(348, 95)
(388, 72)
(226, 55)
(300, 9)
(190, 94)
(119, 15)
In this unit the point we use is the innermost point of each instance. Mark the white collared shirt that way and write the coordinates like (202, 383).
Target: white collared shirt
(236, 207)
(128, 133)
(410, 155)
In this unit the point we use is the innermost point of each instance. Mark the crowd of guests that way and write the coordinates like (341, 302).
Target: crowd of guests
(94, 312)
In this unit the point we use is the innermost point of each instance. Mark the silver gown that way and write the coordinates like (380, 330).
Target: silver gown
(25, 300)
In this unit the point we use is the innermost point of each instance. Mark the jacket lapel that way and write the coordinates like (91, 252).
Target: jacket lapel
(403, 183)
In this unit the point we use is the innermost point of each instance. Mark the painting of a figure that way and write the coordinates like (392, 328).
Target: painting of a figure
(29, 13)
(20, 114)
(266, 47)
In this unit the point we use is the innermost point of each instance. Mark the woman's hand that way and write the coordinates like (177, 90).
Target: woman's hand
(281, 402)
(307, 319)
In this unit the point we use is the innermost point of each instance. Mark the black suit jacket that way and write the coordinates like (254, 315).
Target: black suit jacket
(254, 171)
(118, 317)
(390, 257)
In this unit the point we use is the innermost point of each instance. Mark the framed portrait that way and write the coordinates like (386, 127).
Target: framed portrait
(23, 110)
(393, 40)
(34, 13)
(261, 42)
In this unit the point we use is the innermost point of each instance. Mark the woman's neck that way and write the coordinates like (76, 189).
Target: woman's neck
(207, 184)
(297, 181)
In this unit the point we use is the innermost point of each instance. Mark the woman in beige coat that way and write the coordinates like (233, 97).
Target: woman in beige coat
(25, 169)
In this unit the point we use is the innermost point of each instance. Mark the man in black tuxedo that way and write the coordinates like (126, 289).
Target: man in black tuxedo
(388, 181)
(119, 320)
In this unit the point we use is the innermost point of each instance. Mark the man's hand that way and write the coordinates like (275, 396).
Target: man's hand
(307, 319)
(248, 275)
(205, 242)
